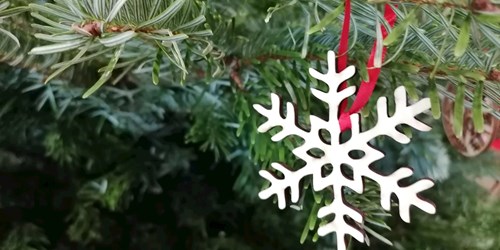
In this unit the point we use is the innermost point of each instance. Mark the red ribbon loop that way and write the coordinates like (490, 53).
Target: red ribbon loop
(344, 121)
(366, 89)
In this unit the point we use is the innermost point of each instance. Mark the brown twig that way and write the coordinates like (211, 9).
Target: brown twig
(493, 76)
(268, 57)
(95, 28)
(234, 71)
(431, 2)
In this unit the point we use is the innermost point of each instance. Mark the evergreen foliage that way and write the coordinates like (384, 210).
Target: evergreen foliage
(149, 158)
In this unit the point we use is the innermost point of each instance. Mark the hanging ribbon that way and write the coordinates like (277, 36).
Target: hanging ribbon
(367, 87)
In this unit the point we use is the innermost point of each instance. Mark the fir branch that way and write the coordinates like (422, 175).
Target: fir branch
(426, 2)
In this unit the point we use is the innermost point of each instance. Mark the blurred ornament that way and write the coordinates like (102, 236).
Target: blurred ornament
(485, 6)
(471, 143)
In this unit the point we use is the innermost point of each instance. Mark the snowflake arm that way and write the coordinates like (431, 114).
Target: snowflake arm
(289, 123)
(403, 115)
(386, 125)
(407, 196)
(289, 126)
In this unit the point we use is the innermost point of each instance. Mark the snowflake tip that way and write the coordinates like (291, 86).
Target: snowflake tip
(259, 108)
(417, 108)
(349, 71)
(315, 74)
(331, 57)
(332, 77)
(265, 194)
(423, 204)
(400, 94)
(349, 230)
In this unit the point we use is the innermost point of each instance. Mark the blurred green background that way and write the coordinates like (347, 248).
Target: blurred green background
(174, 165)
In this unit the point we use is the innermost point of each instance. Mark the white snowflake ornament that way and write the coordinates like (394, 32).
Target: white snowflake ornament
(337, 154)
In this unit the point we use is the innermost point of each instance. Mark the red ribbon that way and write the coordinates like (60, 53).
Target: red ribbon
(367, 87)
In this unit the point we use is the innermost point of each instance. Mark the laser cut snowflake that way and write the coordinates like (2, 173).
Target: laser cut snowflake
(337, 154)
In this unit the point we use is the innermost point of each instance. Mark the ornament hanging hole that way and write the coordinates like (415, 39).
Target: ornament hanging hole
(347, 171)
(316, 153)
(326, 170)
(345, 136)
(325, 136)
(356, 154)
(471, 143)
